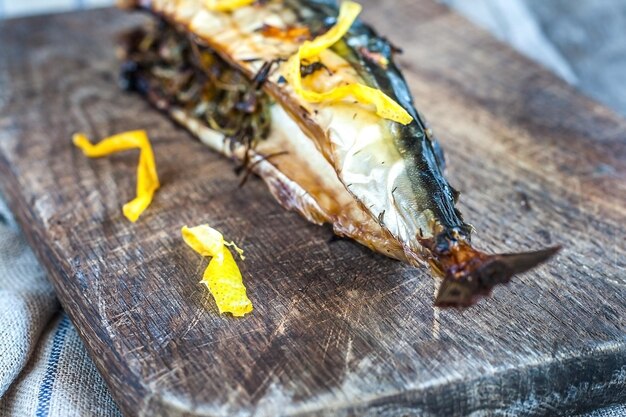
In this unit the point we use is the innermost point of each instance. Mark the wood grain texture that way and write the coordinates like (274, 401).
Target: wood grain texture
(337, 329)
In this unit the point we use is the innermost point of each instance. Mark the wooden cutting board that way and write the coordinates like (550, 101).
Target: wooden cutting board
(336, 328)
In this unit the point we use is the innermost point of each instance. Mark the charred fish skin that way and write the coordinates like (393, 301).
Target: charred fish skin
(468, 273)
(393, 172)
(415, 141)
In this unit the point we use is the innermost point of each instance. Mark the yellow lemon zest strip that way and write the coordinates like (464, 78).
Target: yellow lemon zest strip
(147, 178)
(226, 5)
(348, 13)
(385, 106)
(237, 249)
(222, 275)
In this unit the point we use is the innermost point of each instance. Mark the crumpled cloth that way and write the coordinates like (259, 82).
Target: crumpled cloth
(44, 367)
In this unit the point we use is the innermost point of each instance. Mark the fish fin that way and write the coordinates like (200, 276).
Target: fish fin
(467, 285)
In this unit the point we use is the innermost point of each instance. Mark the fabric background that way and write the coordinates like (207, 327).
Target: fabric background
(582, 41)
(44, 367)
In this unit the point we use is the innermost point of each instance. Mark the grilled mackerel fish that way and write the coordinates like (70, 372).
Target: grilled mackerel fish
(223, 72)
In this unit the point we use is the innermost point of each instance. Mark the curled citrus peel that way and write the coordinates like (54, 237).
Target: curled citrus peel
(147, 178)
(226, 5)
(222, 276)
(385, 106)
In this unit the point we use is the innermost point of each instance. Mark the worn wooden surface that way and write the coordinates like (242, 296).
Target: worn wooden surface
(336, 329)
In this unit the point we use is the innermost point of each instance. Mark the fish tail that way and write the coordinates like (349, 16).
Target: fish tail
(469, 275)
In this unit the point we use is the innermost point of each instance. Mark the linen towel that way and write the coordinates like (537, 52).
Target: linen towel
(44, 367)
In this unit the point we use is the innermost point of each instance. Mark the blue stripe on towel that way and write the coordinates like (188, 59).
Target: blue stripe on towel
(45, 390)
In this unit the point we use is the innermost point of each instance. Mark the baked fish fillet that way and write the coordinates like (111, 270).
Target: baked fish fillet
(221, 74)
